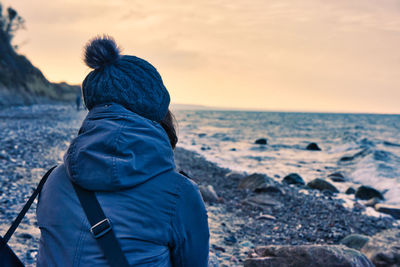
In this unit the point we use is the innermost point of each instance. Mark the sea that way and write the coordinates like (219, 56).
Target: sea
(365, 148)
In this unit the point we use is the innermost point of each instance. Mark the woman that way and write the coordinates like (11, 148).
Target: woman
(125, 155)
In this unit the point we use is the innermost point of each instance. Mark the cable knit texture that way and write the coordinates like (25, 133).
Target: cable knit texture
(126, 80)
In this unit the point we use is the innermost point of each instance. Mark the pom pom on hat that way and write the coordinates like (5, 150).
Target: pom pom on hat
(101, 51)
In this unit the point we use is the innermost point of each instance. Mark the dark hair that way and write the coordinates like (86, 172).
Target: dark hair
(169, 124)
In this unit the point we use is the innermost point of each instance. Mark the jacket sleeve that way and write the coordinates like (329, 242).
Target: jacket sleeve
(190, 229)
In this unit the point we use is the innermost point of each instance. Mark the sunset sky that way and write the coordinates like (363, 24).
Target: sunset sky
(290, 55)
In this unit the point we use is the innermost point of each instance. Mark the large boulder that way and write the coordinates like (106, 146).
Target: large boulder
(322, 185)
(307, 255)
(313, 147)
(293, 178)
(367, 192)
(255, 181)
(383, 249)
(389, 209)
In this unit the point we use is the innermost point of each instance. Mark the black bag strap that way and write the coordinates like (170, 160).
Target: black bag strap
(28, 204)
(101, 227)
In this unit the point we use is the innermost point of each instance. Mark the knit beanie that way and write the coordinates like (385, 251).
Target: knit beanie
(127, 80)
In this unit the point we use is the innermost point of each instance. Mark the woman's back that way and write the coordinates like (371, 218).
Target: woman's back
(157, 214)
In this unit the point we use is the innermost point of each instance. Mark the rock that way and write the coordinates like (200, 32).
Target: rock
(389, 209)
(230, 240)
(307, 255)
(234, 175)
(350, 191)
(255, 181)
(367, 192)
(355, 241)
(372, 202)
(383, 249)
(263, 201)
(313, 147)
(293, 178)
(208, 193)
(201, 135)
(218, 248)
(266, 217)
(270, 189)
(261, 141)
(322, 185)
(337, 177)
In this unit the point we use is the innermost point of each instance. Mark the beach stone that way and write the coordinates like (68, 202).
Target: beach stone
(355, 241)
(313, 147)
(208, 193)
(383, 249)
(270, 189)
(367, 192)
(322, 185)
(372, 202)
(266, 217)
(293, 178)
(306, 255)
(261, 141)
(263, 201)
(255, 181)
(350, 191)
(337, 177)
(234, 175)
(389, 209)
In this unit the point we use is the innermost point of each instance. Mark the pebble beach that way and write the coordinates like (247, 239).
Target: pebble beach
(34, 138)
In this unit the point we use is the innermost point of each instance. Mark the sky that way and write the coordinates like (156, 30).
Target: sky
(284, 55)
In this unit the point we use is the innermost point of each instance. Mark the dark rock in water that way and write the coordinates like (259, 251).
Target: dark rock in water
(389, 209)
(337, 177)
(293, 178)
(322, 185)
(208, 193)
(233, 149)
(350, 191)
(201, 134)
(255, 181)
(355, 241)
(307, 255)
(261, 141)
(383, 249)
(313, 147)
(367, 192)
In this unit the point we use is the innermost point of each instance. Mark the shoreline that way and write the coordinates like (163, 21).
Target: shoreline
(35, 137)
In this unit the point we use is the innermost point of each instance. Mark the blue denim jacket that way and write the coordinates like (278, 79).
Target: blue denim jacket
(157, 214)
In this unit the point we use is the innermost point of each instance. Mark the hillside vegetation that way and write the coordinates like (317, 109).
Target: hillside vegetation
(20, 81)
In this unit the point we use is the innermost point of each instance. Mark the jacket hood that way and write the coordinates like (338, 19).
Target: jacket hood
(117, 149)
